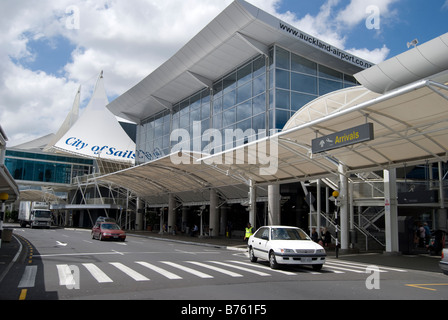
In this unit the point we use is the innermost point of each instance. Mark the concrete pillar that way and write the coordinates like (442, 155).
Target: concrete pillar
(252, 204)
(171, 213)
(139, 215)
(274, 209)
(223, 219)
(391, 210)
(214, 214)
(344, 207)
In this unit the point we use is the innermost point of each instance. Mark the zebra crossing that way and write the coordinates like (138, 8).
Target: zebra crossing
(142, 271)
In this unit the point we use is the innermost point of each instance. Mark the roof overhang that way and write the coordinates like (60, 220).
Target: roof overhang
(239, 33)
(190, 180)
(418, 63)
(8, 184)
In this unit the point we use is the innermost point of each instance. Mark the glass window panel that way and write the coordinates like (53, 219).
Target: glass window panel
(158, 121)
(217, 89)
(244, 111)
(259, 66)
(350, 80)
(217, 120)
(195, 102)
(166, 128)
(229, 100)
(217, 105)
(271, 57)
(244, 125)
(259, 104)
(229, 82)
(244, 74)
(298, 100)
(282, 58)
(205, 125)
(175, 122)
(259, 122)
(184, 121)
(303, 83)
(282, 99)
(282, 79)
(244, 92)
(184, 107)
(325, 72)
(205, 97)
(327, 86)
(205, 111)
(303, 65)
(195, 115)
(259, 85)
(228, 117)
(281, 118)
(158, 131)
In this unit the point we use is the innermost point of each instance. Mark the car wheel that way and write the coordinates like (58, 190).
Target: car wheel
(100, 237)
(317, 267)
(272, 261)
(93, 235)
(252, 256)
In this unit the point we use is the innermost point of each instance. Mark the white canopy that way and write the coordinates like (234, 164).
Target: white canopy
(97, 133)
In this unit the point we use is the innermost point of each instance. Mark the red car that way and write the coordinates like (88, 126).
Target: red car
(108, 231)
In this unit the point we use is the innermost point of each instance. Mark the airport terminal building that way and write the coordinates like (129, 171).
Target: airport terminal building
(250, 72)
(256, 121)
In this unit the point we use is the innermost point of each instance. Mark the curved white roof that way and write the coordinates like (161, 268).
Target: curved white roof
(421, 62)
(239, 33)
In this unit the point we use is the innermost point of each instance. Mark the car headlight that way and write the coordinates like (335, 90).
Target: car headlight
(286, 250)
(320, 251)
(107, 234)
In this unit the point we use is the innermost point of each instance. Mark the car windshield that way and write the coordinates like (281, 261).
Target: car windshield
(110, 226)
(288, 234)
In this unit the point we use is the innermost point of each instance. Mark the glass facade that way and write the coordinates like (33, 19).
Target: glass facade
(296, 81)
(38, 167)
(261, 94)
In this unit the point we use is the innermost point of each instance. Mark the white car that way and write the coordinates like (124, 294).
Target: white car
(285, 245)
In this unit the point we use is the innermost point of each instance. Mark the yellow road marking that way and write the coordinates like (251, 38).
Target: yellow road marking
(424, 286)
(23, 294)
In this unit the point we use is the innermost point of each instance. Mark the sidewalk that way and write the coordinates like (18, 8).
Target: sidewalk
(9, 254)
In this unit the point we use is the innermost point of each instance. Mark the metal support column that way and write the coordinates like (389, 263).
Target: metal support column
(391, 210)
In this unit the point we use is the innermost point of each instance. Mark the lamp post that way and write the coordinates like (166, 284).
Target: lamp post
(3, 198)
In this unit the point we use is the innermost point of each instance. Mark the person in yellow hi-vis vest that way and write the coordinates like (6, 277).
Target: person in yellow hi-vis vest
(249, 232)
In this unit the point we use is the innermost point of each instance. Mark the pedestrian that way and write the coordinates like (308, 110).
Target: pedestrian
(249, 232)
(427, 235)
(194, 230)
(326, 237)
(314, 235)
(421, 236)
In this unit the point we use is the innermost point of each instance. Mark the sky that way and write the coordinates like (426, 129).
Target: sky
(48, 48)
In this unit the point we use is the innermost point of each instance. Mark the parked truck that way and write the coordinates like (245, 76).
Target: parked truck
(35, 214)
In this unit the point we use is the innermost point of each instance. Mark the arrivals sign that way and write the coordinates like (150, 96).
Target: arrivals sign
(344, 138)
